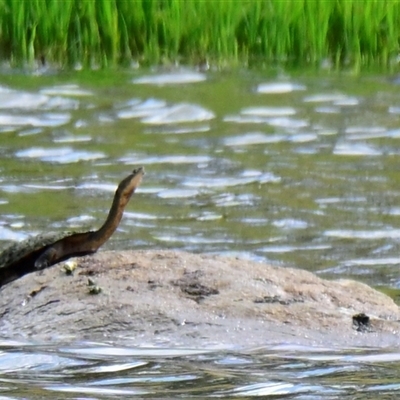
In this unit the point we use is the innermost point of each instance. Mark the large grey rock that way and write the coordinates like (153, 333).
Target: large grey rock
(186, 299)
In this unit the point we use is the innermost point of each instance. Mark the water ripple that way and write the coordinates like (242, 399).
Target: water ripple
(62, 155)
(253, 138)
(12, 99)
(158, 112)
(369, 235)
(178, 159)
(179, 113)
(269, 111)
(109, 370)
(279, 87)
(280, 122)
(200, 182)
(177, 193)
(276, 389)
(11, 235)
(172, 78)
(137, 108)
(43, 120)
(335, 98)
(66, 90)
(289, 223)
(355, 149)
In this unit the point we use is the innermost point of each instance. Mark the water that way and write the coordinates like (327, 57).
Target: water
(109, 370)
(298, 170)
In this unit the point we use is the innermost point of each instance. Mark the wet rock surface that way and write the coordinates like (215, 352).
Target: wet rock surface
(195, 300)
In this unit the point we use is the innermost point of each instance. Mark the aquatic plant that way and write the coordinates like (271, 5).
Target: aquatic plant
(112, 32)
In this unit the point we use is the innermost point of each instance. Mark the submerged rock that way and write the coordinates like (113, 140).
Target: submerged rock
(194, 300)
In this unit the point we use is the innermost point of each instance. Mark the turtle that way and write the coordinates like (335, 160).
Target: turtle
(42, 251)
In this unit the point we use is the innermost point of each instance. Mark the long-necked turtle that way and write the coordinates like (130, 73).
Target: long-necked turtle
(44, 250)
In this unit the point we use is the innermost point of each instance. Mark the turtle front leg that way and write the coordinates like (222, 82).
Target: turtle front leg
(46, 259)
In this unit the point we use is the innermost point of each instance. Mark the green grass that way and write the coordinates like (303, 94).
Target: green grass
(355, 33)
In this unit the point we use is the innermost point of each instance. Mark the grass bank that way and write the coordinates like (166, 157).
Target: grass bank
(111, 32)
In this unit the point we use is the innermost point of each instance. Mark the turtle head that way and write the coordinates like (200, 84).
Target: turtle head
(127, 186)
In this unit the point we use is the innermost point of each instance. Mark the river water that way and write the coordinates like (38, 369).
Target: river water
(298, 169)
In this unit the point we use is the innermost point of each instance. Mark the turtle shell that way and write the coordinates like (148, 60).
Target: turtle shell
(19, 259)
(31, 246)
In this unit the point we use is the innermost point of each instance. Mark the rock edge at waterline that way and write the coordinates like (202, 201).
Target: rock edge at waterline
(187, 299)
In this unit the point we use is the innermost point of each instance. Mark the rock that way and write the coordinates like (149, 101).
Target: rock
(178, 298)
